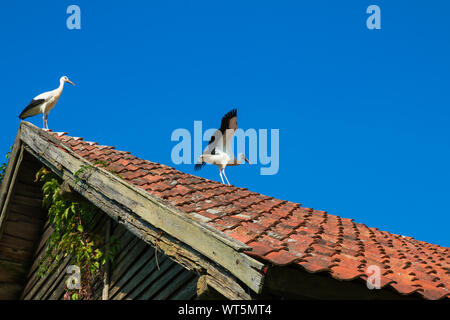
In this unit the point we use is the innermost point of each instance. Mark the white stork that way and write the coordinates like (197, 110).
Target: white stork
(219, 151)
(44, 102)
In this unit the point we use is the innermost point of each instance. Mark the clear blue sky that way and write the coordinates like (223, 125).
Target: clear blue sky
(363, 114)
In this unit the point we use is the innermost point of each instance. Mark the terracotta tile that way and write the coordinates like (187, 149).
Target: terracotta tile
(130, 175)
(299, 242)
(343, 272)
(281, 258)
(150, 179)
(316, 263)
(405, 288)
(243, 234)
(254, 227)
(227, 222)
(259, 249)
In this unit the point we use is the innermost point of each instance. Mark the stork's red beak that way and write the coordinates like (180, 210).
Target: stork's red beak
(70, 82)
(246, 160)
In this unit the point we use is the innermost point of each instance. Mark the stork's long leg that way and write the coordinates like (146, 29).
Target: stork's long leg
(46, 121)
(43, 121)
(220, 173)
(223, 170)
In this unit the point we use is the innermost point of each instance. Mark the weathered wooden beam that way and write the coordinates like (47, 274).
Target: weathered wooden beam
(205, 291)
(39, 253)
(133, 277)
(50, 281)
(9, 291)
(10, 169)
(164, 279)
(107, 270)
(38, 287)
(69, 194)
(121, 268)
(153, 276)
(180, 282)
(189, 291)
(8, 184)
(151, 219)
(232, 291)
(12, 271)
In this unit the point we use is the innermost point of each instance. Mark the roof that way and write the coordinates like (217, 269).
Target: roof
(281, 232)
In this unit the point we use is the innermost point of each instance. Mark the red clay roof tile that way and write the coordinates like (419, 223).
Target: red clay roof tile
(281, 258)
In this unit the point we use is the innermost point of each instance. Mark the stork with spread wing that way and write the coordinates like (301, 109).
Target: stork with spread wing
(219, 151)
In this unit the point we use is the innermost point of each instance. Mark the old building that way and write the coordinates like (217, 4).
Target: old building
(212, 240)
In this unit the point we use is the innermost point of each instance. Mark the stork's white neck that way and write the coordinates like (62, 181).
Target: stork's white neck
(61, 85)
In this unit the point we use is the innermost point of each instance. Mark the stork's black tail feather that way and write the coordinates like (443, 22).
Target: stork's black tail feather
(198, 166)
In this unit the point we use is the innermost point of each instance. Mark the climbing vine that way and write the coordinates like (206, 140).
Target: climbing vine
(74, 236)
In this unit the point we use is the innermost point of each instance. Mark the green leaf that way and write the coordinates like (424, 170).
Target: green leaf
(66, 213)
(70, 237)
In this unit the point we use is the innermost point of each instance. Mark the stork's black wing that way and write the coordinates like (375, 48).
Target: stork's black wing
(229, 121)
(32, 109)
